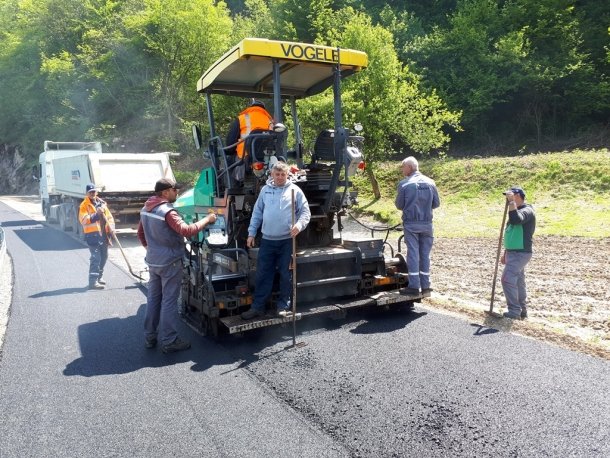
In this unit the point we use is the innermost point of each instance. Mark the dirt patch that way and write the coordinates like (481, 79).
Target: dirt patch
(568, 282)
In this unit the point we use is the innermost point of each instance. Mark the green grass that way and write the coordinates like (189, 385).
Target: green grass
(569, 190)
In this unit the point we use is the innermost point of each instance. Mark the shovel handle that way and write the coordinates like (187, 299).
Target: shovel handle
(493, 284)
(116, 239)
(294, 277)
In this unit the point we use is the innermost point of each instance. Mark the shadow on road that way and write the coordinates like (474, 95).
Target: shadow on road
(84, 289)
(386, 321)
(260, 344)
(124, 351)
(23, 222)
(483, 330)
(59, 292)
(42, 238)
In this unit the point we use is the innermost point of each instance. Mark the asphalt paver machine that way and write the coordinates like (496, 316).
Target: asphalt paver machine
(333, 274)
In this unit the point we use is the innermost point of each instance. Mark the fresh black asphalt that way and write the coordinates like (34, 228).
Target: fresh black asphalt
(75, 379)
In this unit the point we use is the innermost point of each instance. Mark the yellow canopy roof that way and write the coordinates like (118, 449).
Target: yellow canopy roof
(305, 69)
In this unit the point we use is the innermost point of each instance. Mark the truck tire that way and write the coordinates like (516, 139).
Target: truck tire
(76, 226)
(62, 220)
(71, 217)
(209, 327)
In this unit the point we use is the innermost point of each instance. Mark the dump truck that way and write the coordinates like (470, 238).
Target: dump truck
(333, 274)
(125, 181)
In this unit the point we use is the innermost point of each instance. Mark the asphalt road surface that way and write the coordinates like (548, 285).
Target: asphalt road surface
(75, 379)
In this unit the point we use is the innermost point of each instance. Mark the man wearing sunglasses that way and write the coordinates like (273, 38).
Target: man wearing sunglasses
(162, 231)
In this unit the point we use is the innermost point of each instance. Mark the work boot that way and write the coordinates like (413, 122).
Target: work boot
(150, 342)
(252, 313)
(426, 292)
(96, 285)
(101, 281)
(176, 345)
(411, 291)
(512, 316)
(523, 313)
(283, 311)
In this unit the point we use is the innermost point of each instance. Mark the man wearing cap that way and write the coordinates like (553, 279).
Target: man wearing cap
(517, 252)
(161, 231)
(98, 227)
(417, 196)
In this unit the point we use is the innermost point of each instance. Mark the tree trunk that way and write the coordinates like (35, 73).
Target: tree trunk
(374, 182)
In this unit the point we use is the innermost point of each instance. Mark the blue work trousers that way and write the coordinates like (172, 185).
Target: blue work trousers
(162, 302)
(513, 281)
(273, 256)
(97, 261)
(419, 239)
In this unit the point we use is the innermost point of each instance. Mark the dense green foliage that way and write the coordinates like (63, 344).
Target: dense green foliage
(520, 68)
(570, 191)
(516, 72)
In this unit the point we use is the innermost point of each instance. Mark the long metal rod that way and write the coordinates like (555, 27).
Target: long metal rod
(278, 116)
(337, 91)
(297, 133)
(294, 278)
(125, 257)
(208, 102)
(493, 284)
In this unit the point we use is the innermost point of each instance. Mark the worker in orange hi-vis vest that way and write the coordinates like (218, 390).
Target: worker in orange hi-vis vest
(98, 227)
(254, 118)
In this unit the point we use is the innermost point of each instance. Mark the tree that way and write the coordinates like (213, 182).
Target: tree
(515, 68)
(181, 39)
(386, 97)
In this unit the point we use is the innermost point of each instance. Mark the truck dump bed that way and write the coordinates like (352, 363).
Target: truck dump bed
(113, 173)
(125, 180)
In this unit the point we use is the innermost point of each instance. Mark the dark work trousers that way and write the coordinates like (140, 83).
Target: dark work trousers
(162, 302)
(418, 238)
(513, 281)
(273, 255)
(97, 261)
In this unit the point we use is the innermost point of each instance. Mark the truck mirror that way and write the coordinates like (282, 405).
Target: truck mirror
(197, 136)
(35, 173)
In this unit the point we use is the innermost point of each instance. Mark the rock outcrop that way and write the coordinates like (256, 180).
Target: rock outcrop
(15, 172)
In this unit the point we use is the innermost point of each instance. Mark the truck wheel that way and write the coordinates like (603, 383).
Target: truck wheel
(76, 227)
(70, 220)
(209, 327)
(62, 220)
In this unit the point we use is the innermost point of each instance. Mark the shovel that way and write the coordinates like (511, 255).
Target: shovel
(493, 284)
(116, 239)
(294, 284)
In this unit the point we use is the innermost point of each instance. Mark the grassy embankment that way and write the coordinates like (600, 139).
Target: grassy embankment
(569, 190)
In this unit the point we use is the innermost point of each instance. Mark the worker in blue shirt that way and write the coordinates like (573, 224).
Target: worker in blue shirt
(417, 196)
